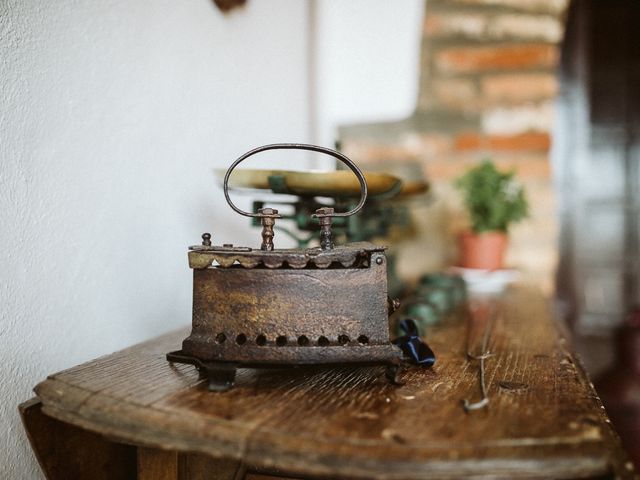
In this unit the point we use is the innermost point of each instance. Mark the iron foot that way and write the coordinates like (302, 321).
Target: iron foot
(221, 377)
(392, 373)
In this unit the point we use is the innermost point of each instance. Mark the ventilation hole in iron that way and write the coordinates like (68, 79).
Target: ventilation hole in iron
(363, 339)
(281, 341)
(220, 338)
(261, 340)
(343, 339)
(241, 339)
(323, 341)
(303, 341)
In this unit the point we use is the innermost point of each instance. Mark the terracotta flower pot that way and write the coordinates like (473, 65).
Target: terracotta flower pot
(482, 250)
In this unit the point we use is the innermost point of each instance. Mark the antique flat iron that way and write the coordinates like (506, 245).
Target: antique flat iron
(269, 307)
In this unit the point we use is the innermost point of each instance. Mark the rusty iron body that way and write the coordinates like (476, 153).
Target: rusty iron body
(273, 307)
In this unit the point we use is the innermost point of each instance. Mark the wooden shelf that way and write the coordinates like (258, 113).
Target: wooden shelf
(544, 420)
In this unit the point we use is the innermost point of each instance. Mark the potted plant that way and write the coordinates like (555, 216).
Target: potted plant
(494, 200)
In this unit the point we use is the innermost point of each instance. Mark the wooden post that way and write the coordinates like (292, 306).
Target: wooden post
(155, 464)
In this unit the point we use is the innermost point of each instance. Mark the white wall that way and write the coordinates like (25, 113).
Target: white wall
(367, 62)
(112, 115)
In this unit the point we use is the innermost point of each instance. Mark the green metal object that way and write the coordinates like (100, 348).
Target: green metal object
(441, 298)
(453, 284)
(423, 311)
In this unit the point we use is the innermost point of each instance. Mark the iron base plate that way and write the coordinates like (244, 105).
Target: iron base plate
(221, 374)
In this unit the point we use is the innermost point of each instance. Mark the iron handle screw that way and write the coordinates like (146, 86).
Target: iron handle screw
(268, 219)
(206, 239)
(324, 215)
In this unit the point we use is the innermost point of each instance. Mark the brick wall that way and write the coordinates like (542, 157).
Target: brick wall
(487, 89)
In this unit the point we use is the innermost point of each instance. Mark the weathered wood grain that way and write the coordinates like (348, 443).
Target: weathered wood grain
(544, 419)
(194, 466)
(65, 451)
(156, 464)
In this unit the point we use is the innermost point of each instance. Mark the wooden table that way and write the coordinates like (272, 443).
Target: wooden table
(133, 412)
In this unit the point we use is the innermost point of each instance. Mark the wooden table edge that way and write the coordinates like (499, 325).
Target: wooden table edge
(249, 447)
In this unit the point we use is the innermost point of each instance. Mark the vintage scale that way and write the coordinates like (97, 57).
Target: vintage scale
(268, 307)
(385, 213)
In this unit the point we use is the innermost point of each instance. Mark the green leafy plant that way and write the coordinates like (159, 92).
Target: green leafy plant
(494, 199)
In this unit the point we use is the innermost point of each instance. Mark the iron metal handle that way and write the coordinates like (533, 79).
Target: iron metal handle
(299, 146)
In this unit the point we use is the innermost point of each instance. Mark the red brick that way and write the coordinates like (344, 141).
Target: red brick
(519, 87)
(426, 145)
(445, 169)
(525, 141)
(503, 57)
(518, 119)
(468, 25)
(540, 6)
(409, 147)
(368, 151)
(525, 27)
(459, 94)
(480, 26)
(526, 168)
(531, 169)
